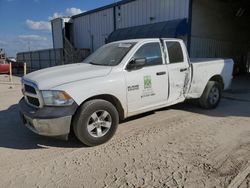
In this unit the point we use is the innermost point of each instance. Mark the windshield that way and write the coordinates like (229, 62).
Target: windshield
(109, 55)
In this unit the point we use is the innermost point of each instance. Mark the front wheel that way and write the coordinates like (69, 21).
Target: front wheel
(211, 95)
(95, 122)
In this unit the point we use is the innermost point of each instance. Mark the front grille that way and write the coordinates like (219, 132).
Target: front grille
(29, 89)
(32, 94)
(33, 101)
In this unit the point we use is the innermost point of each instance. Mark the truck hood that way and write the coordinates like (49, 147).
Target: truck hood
(59, 75)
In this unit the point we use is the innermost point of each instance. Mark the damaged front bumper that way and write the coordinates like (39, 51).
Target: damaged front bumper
(47, 121)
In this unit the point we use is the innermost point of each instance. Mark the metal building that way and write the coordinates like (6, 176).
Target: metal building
(210, 28)
(92, 28)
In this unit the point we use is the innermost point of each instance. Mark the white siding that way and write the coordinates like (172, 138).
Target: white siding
(82, 33)
(98, 25)
(139, 12)
(57, 28)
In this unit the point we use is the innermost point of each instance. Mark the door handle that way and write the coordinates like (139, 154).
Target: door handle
(183, 70)
(160, 73)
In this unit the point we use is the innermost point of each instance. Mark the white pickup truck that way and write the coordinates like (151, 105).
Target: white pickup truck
(119, 80)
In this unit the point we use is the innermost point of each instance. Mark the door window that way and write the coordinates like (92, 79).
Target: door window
(151, 52)
(175, 52)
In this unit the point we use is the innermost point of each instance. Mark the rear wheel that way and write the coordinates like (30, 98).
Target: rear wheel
(95, 122)
(211, 95)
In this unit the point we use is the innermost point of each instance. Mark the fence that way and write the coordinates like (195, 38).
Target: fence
(40, 59)
(36, 60)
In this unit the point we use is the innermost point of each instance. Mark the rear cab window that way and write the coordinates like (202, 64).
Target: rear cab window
(175, 52)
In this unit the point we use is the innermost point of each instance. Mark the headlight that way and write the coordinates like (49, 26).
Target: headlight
(56, 98)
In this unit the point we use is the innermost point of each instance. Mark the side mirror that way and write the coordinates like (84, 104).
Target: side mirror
(136, 64)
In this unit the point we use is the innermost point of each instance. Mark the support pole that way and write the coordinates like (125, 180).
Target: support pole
(24, 69)
(10, 67)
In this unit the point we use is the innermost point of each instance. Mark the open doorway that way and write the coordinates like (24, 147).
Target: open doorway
(248, 61)
(220, 29)
(69, 32)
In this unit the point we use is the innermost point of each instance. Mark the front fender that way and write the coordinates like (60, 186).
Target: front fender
(82, 90)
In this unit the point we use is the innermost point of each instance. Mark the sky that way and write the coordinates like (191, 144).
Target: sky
(25, 24)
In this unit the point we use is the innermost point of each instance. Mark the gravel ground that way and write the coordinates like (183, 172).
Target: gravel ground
(179, 146)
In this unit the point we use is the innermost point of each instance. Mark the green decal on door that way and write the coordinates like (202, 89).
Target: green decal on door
(148, 90)
(147, 82)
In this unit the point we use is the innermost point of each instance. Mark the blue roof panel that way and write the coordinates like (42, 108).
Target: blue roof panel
(168, 29)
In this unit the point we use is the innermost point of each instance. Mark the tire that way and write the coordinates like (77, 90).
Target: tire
(95, 122)
(211, 96)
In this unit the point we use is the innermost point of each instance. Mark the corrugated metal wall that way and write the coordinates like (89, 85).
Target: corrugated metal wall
(82, 33)
(214, 48)
(210, 48)
(143, 12)
(91, 30)
(57, 29)
(97, 26)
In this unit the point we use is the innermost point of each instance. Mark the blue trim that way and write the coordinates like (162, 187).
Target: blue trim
(114, 15)
(53, 36)
(103, 8)
(167, 29)
(181, 27)
(190, 18)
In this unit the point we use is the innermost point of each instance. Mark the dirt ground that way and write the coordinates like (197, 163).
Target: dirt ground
(179, 146)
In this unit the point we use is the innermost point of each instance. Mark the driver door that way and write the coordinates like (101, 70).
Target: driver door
(147, 87)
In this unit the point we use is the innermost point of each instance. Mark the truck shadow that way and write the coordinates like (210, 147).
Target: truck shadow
(226, 108)
(14, 135)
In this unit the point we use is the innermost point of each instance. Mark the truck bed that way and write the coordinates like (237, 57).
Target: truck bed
(205, 69)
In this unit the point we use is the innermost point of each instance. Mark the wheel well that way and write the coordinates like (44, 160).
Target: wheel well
(219, 79)
(112, 99)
